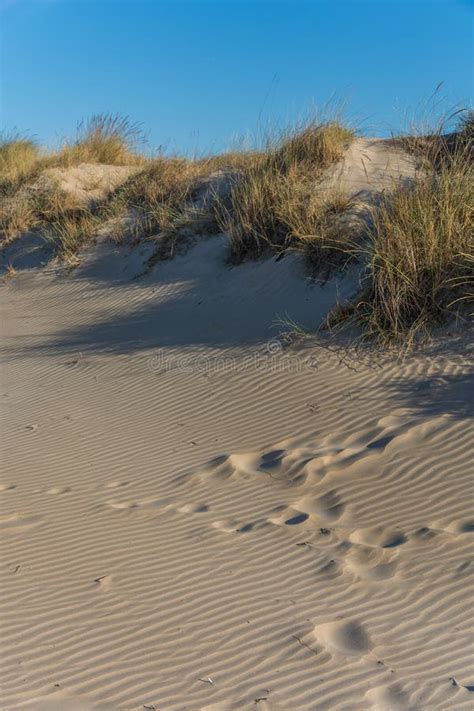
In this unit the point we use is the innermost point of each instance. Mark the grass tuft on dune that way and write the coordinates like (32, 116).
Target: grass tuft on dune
(273, 203)
(419, 255)
(110, 139)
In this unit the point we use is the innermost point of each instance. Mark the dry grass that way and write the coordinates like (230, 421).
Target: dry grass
(420, 256)
(164, 200)
(329, 229)
(235, 160)
(32, 206)
(18, 157)
(17, 216)
(273, 202)
(164, 181)
(314, 146)
(271, 193)
(29, 202)
(69, 230)
(419, 252)
(104, 138)
(55, 214)
(434, 143)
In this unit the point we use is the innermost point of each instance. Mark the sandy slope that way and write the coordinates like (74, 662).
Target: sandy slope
(194, 518)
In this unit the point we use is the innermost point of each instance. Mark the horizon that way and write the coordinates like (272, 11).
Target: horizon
(198, 78)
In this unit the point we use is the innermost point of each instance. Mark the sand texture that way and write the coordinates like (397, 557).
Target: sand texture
(197, 517)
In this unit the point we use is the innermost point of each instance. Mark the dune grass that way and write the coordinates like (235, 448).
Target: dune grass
(273, 203)
(31, 207)
(420, 252)
(27, 201)
(271, 198)
(18, 158)
(104, 138)
(162, 199)
(416, 248)
(69, 230)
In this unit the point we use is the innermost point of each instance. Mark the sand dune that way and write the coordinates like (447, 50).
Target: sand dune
(196, 517)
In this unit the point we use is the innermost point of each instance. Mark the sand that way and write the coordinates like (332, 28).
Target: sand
(196, 516)
(87, 182)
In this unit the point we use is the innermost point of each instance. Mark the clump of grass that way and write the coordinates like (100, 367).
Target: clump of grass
(162, 198)
(421, 251)
(435, 144)
(32, 205)
(17, 215)
(70, 230)
(19, 157)
(328, 229)
(162, 181)
(51, 211)
(313, 146)
(104, 138)
(272, 202)
(27, 201)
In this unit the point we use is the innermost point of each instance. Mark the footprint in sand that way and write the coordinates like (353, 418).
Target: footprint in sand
(225, 467)
(380, 443)
(378, 537)
(369, 563)
(389, 698)
(424, 533)
(288, 516)
(300, 465)
(463, 526)
(347, 637)
(310, 510)
(329, 505)
(330, 568)
(465, 568)
(228, 525)
(7, 487)
(123, 505)
(291, 467)
(271, 460)
(232, 525)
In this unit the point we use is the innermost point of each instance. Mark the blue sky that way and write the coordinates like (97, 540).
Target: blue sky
(198, 74)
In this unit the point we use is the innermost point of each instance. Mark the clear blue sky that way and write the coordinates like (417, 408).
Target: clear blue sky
(199, 73)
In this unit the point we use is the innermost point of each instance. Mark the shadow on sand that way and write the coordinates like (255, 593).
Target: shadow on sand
(449, 394)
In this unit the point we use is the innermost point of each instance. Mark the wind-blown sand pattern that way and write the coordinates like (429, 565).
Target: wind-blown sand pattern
(194, 518)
